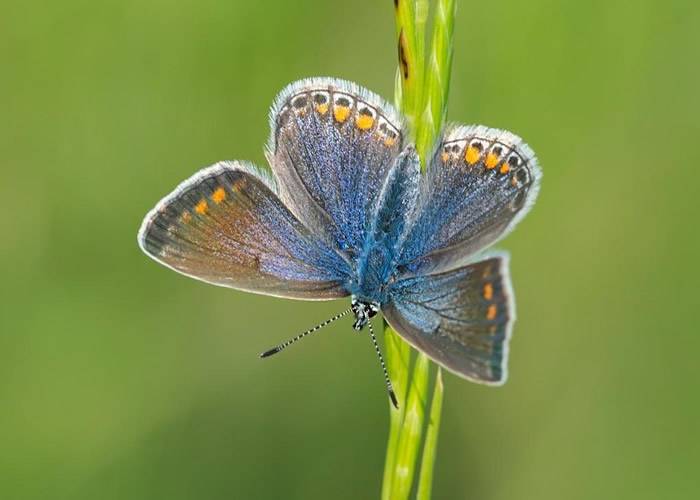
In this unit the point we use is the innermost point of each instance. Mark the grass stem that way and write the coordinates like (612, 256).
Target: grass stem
(421, 95)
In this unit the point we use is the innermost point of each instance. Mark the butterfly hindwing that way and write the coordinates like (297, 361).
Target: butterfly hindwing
(479, 184)
(461, 319)
(332, 146)
(227, 226)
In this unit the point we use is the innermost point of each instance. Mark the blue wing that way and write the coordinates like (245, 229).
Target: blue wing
(480, 183)
(333, 147)
(462, 319)
(227, 226)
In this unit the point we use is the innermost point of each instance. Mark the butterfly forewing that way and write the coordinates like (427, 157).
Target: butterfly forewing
(480, 183)
(226, 226)
(332, 146)
(461, 318)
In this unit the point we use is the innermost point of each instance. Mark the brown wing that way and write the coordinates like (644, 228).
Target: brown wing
(462, 319)
(227, 226)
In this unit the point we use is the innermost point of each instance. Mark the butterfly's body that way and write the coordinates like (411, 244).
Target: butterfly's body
(375, 268)
(347, 212)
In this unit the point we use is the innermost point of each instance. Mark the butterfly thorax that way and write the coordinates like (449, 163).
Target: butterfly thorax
(373, 272)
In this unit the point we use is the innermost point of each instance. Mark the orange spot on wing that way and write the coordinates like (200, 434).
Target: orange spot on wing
(364, 122)
(390, 141)
(445, 157)
(491, 160)
(504, 168)
(491, 312)
(201, 207)
(322, 108)
(488, 291)
(341, 113)
(186, 217)
(219, 195)
(472, 155)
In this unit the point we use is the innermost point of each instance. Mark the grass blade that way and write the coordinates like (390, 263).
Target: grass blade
(411, 431)
(425, 480)
(422, 98)
(398, 357)
(437, 79)
(411, 79)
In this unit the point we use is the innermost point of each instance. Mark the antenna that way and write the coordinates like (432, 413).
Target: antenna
(289, 342)
(389, 387)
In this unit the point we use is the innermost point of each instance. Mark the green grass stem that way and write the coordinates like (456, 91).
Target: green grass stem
(425, 480)
(421, 95)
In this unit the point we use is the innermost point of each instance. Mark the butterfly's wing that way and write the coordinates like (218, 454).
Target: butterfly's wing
(480, 183)
(227, 226)
(332, 147)
(461, 319)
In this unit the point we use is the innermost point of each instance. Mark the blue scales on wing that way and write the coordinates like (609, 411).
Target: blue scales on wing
(447, 300)
(461, 318)
(479, 184)
(337, 151)
(227, 226)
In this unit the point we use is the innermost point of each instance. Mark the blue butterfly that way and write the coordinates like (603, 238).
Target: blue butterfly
(346, 211)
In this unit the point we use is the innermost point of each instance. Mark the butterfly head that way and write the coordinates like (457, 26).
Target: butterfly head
(363, 311)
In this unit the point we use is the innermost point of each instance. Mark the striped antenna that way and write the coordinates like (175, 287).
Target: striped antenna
(289, 342)
(389, 387)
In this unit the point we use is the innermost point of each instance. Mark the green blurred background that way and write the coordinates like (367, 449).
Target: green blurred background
(120, 379)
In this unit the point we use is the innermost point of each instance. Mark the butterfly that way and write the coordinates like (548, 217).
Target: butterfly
(346, 211)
